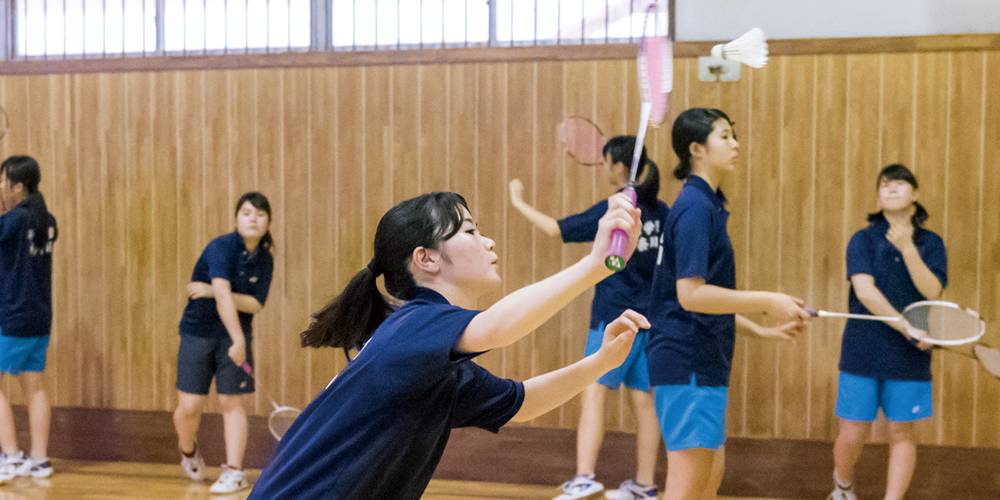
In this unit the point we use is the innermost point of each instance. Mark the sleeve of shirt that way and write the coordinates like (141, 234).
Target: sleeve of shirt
(485, 400)
(691, 236)
(9, 224)
(263, 286)
(936, 258)
(219, 257)
(859, 255)
(582, 227)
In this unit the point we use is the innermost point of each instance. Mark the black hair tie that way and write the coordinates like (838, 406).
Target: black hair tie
(372, 268)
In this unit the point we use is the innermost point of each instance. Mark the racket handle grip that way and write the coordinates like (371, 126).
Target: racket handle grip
(812, 312)
(615, 260)
(246, 367)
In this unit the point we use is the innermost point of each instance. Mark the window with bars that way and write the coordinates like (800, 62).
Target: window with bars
(115, 28)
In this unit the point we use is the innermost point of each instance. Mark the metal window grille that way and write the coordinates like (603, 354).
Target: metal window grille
(53, 29)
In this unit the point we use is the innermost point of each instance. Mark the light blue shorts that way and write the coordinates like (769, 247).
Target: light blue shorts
(859, 398)
(23, 354)
(691, 416)
(633, 372)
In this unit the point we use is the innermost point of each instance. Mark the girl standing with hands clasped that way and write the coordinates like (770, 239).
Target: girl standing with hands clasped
(229, 285)
(380, 427)
(891, 264)
(628, 289)
(694, 309)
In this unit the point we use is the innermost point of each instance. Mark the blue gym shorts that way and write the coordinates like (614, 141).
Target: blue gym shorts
(199, 359)
(691, 416)
(633, 372)
(23, 354)
(859, 398)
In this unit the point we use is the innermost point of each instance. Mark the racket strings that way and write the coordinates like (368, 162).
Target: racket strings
(944, 323)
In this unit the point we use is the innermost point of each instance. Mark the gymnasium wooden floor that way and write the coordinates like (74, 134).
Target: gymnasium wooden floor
(125, 481)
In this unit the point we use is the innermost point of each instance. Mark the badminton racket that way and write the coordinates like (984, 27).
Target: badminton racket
(281, 417)
(582, 139)
(655, 65)
(935, 322)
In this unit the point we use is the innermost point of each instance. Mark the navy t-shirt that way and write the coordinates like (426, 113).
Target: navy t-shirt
(379, 429)
(248, 273)
(682, 343)
(25, 275)
(872, 348)
(628, 288)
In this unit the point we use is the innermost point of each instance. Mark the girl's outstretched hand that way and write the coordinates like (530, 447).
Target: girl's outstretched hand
(618, 337)
(620, 215)
(787, 309)
(516, 191)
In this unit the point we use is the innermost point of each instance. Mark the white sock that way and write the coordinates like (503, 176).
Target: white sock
(839, 484)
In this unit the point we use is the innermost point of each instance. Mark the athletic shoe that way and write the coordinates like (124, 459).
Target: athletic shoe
(194, 466)
(579, 487)
(231, 481)
(35, 467)
(842, 494)
(631, 491)
(9, 465)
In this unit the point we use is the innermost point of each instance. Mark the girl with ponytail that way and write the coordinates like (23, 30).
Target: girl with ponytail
(380, 427)
(695, 309)
(628, 289)
(229, 285)
(27, 234)
(890, 264)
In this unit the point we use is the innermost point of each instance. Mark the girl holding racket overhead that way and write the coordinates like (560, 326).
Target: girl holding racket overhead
(628, 289)
(379, 429)
(694, 309)
(229, 285)
(892, 263)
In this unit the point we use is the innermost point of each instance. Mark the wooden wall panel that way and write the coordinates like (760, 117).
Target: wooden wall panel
(143, 169)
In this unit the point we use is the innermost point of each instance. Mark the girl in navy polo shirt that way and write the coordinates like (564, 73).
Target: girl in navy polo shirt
(379, 428)
(620, 291)
(890, 264)
(694, 309)
(228, 286)
(27, 233)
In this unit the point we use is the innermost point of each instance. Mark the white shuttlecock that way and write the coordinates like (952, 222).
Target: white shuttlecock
(749, 49)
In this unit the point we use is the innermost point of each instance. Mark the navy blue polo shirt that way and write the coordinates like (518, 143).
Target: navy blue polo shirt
(25, 275)
(682, 343)
(872, 348)
(628, 288)
(248, 273)
(379, 429)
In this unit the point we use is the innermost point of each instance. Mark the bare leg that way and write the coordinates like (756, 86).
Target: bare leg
(8, 436)
(590, 433)
(689, 473)
(235, 422)
(647, 437)
(187, 417)
(847, 449)
(39, 412)
(715, 480)
(902, 459)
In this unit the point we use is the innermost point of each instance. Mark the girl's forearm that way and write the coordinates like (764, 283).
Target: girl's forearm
(524, 310)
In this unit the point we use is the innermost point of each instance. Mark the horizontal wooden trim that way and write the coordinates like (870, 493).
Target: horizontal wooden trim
(860, 45)
(528, 455)
(782, 47)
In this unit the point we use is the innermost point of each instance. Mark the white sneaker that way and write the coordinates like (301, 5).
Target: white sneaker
(579, 487)
(35, 467)
(194, 466)
(631, 491)
(230, 481)
(9, 464)
(842, 494)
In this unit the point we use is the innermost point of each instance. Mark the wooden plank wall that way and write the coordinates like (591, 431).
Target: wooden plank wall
(142, 169)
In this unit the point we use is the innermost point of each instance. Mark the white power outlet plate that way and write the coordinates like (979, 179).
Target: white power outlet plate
(711, 69)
